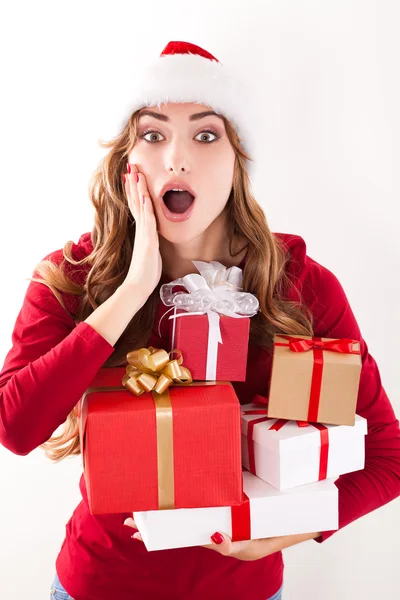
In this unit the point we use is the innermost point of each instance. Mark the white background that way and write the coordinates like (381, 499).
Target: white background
(325, 74)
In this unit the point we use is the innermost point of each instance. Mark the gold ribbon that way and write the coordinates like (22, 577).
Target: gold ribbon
(152, 370)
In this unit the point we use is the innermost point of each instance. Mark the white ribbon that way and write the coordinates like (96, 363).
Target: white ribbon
(216, 291)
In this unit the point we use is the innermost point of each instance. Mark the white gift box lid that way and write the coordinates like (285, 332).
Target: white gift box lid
(292, 434)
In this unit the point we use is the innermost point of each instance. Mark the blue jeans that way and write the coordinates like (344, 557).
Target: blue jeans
(57, 592)
(277, 596)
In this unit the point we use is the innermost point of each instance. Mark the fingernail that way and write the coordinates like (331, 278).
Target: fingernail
(217, 538)
(137, 177)
(128, 167)
(124, 176)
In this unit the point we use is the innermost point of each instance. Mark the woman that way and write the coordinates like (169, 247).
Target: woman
(92, 302)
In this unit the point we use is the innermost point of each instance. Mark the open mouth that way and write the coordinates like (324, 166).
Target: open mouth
(178, 202)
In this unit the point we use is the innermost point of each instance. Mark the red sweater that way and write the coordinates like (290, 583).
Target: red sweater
(52, 361)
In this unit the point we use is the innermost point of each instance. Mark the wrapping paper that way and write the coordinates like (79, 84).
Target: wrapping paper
(314, 379)
(120, 447)
(221, 356)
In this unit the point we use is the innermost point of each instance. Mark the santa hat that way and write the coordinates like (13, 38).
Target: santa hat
(185, 72)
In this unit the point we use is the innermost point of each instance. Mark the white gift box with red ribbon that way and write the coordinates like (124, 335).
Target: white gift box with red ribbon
(287, 454)
(264, 512)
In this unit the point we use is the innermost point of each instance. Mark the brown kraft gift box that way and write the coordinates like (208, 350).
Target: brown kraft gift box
(314, 379)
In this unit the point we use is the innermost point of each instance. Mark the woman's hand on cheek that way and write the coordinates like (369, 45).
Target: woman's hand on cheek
(146, 264)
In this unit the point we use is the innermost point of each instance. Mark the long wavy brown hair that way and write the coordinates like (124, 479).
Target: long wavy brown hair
(113, 236)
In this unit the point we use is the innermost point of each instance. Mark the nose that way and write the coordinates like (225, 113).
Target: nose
(177, 170)
(177, 160)
(175, 166)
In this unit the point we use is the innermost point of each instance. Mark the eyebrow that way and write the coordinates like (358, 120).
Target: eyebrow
(194, 117)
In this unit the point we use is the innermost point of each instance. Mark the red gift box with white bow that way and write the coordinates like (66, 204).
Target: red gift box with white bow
(209, 321)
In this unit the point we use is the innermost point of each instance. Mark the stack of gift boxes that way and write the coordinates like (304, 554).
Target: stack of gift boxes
(166, 438)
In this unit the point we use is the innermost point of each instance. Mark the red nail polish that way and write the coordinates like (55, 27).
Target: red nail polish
(128, 167)
(217, 538)
(124, 176)
(137, 177)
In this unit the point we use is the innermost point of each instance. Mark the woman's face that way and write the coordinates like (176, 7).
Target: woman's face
(179, 143)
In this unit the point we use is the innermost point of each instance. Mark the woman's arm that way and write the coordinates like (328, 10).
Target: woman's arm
(379, 482)
(52, 361)
(49, 366)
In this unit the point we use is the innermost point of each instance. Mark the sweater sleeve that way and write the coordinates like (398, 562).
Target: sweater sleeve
(49, 366)
(362, 491)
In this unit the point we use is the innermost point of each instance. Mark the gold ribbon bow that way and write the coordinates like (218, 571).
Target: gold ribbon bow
(152, 369)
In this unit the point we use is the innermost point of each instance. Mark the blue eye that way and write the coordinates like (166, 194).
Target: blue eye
(206, 131)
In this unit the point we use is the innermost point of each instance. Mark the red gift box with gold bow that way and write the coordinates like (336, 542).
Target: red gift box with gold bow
(314, 379)
(151, 438)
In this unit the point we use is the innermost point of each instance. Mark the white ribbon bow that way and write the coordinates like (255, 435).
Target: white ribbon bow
(216, 291)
